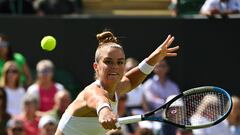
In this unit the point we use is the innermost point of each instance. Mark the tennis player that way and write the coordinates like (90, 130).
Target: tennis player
(94, 111)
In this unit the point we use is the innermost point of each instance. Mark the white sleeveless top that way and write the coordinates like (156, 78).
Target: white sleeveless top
(72, 125)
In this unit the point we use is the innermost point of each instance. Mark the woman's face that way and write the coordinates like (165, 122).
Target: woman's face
(12, 74)
(30, 108)
(110, 67)
(45, 74)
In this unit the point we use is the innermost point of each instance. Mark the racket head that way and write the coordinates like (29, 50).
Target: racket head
(198, 108)
(195, 108)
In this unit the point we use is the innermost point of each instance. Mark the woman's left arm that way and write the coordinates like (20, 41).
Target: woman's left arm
(136, 76)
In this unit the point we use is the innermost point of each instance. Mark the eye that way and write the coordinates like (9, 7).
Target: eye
(120, 62)
(108, 62)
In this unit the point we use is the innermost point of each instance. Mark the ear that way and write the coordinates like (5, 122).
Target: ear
(95, 66)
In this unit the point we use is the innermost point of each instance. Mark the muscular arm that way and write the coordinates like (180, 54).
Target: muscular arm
(95, 97)
(135, 76)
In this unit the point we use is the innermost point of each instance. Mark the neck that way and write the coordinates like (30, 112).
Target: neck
(45, 84)
(29, 116)
(11, 85)
(110, 88)
(162, 80)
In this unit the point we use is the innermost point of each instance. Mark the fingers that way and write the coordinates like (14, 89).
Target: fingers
(167, 42)
(171, 54)
(109, 122)
(170, 42)
(173, 49)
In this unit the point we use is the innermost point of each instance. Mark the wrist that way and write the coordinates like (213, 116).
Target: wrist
(103, 106)
(145, 67)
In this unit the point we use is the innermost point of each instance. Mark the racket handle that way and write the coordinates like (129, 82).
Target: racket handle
(128, 120)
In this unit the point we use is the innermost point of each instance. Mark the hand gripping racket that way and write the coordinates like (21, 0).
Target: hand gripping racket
(195, 108)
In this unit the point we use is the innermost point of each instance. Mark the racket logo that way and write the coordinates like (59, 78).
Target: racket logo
(174, 111)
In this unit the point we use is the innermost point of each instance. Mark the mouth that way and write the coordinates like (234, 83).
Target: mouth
(113, 74)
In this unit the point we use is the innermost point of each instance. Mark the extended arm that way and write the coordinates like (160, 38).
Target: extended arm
(136, 76)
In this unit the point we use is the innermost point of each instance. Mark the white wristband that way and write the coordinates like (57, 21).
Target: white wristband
(101, 106)
(145, 68)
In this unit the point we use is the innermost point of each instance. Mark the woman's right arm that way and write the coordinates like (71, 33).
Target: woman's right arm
(96, 97)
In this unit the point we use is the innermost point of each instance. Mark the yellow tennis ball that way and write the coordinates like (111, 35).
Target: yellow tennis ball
(48, 43)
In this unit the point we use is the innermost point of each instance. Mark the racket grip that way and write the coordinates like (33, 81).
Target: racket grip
(128, 120)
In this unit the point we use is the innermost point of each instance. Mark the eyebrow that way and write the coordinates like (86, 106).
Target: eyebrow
(108, 58)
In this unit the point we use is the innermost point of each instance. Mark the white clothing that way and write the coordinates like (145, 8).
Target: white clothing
(221, 6)
(34, 89)
(156, 93)
(221, 128)
(71, 125)
(14, 100)
(134, 97)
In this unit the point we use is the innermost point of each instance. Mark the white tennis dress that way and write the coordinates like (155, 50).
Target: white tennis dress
(72, 125)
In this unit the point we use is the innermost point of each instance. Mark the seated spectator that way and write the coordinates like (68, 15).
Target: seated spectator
(56, 7)
(126, 129)
(61, 101)
(4, 116)
(45, 87)
(10, 82)
(16, 7)
(28, 117)
(7, 54)
(156, 91)
(234, 117)
(221, 7)
(134, 97)
(159, 87)
(173, 8)
(47, 125)
(15, 127)
(220, 129)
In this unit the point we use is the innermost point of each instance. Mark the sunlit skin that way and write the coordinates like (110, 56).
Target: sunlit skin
(12, 77)
(110, 72)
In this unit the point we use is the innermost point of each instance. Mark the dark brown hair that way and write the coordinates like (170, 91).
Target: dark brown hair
(106, 38)
(4, 100)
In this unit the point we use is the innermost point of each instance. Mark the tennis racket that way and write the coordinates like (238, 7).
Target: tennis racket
(195, 108)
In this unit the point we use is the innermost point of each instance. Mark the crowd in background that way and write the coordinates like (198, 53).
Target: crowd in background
(30, 107)
(59, 7)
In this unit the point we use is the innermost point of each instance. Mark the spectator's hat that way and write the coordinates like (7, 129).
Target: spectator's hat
(47, 120)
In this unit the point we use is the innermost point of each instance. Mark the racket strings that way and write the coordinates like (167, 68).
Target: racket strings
(197, 109)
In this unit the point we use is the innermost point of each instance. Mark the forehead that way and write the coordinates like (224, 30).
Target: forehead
(112, 52)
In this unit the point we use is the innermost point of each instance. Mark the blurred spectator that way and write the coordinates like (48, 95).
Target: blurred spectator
(209, 101)
(28, 117)
(134, 97)
(181, 131)
(6, 54)
(221, 7)
(56, 7)
(47, 125)
(61, 101)
(173, 8)
(10, 82)
(157, 89)
(16, 7)
(4, 116)
(45, 87)
(15, 127)
(234, 117)
(144, 131)
(123, 113)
